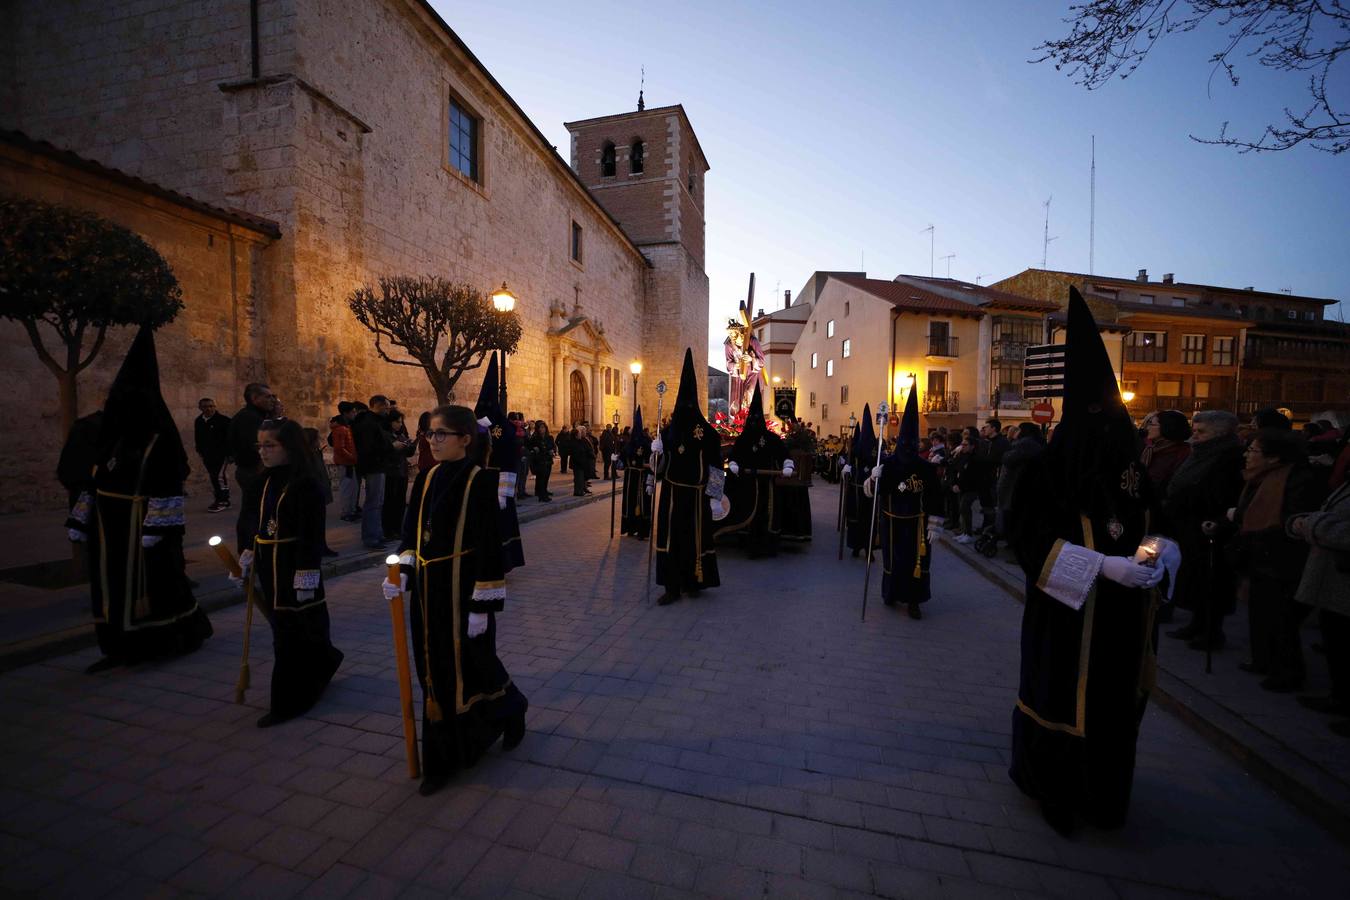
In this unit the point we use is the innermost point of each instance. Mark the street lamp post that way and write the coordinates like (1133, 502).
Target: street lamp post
(636, 368)
(503, 301)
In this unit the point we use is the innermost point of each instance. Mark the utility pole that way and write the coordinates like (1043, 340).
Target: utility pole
(932, 238)
(949, 257)
(1045, 245)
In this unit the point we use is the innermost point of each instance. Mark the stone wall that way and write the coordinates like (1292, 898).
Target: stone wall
(211, 349)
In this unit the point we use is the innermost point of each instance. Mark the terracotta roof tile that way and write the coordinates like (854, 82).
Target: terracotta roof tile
(911, 298)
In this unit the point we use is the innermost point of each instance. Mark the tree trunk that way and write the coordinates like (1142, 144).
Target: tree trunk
(69, 402)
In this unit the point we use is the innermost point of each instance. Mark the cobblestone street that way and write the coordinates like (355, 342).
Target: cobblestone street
(757, 740)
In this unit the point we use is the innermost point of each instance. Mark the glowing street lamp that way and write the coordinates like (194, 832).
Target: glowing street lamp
(636, 368)
(503, 301)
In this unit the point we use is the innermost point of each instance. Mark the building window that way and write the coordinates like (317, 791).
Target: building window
(1291, 313)
(1170, 387)
(1017, 330)
(846, 309)
(636, 157)
(829, 329)
(824, 412)
(848, 347)
(1310, 315)
(1146, 346)
(1193, 349)
(1202, 390)
(1146, 299)
(576, 243)
(1178, 301)
(1007, 380)
(813, 399)
(829, 368)
(464, 133)
(843, 393)
(692, 182)
(1223, 351)
(813, 327)
(607, 160)
(815, 360)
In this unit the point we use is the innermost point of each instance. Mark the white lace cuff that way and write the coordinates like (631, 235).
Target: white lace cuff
(491, 593)
(1069, 573)
(164, 512)
(306, 580)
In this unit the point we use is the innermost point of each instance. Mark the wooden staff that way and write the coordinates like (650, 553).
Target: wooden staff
(404, 671)
(656, 487)
(241, 687)
(613, 483)
(882, 410)
(843, 486)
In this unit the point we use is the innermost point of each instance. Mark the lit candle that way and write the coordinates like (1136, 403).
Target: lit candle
(226, 556)
(1147, 554)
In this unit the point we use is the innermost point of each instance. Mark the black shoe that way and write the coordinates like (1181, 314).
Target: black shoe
(1202, 643)
(432, 783)
(667, 598)
(1283, 684)
(215, 507)
(1185, 633)
(914, 612)
(1324, 704)
(1341, 727)
(1253, 668)
(103, 665)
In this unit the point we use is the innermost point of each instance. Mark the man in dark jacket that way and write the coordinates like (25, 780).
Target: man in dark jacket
(607, 445)
(242, 439)
(1202, 490)
(990, 457)
(583, 461)
(374, 454)
(212, 440)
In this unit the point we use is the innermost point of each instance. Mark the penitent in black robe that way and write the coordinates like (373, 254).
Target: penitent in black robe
(857, 505)
(141, 600)
(451, 553)
(909, 491)
(1086, 674)
(636, 518)
(755, 508)
(288, 541)
(685, 557)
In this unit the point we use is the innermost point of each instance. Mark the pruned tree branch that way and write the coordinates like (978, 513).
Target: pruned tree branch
(1110, 38)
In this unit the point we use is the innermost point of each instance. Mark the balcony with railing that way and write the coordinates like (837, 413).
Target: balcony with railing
(942, 346)
(945, 402)
(1009, 351)
(1143, 404)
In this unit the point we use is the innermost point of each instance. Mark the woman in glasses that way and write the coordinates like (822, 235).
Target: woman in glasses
(287, 541)
(453, 571)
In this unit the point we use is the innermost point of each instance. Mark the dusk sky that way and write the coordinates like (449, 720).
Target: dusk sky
(837, 132)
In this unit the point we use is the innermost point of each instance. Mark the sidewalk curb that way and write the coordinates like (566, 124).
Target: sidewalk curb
(70, 640)
(1296, 779)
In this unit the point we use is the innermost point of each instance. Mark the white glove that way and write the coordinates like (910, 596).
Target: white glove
(658, 446)
(847, 469)
(304, 596)
(734, 468)
(614, 457)
(1123, 570)
(392, 591)
(935, 524)
(76, 535)
(876, 471)
(477, 624)
(651, 485)
(150, 540)
(869, 486)
(788, 468)
(245, 564)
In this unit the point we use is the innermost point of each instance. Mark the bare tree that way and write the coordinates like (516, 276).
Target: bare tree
(1112, 37)
(67, 272)
(416, 313)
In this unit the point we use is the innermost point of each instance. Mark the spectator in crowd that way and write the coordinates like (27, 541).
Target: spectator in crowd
(259, 404)
(1279, 486)
(1027, 446)
(211, 436)
(1325, 585)
(396, 475)
(1205, 486)
(993, 444)
(374, 451)
(605, 446)
(968, 481)
(324, 479)
(425, 460)
(344, 457)
(540, 450)
(523, 463)
(583, 462)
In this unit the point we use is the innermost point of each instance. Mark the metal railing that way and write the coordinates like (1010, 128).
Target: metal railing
(947, 402)
(943, 346)
(1146, 403)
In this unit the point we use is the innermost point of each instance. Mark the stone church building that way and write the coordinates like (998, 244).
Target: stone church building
(281, 153)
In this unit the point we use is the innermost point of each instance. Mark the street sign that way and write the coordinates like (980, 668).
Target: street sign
(660, 387)
(784, 402)
(1043, 412)
(1043, 371)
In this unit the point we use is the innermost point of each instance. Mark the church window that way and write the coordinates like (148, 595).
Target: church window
(848, 347)
(829, 368)
(636, 157)
(829, 329)
(607, 160)
(813, 399)
(692, 182)
(843, 393)
(464, 139)
(824, 412)
(815, 360)
(576, 243)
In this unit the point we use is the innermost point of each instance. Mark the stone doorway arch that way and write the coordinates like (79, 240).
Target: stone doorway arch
(580, 411)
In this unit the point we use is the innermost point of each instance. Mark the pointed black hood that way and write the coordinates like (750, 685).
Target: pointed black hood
(1094, 450)
(756, 447)
(863, 451)
(503, 450)
(909, 423)
(691, 444)
(639, 446)
(135, 411)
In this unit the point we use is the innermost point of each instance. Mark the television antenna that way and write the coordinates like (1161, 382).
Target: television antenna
(932, 238)
(1045, 245)
(949, 257)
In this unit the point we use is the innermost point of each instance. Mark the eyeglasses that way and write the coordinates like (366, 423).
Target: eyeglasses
(439, 436)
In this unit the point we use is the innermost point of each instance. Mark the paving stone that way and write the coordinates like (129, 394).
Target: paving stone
(493, 875)
(719, 879)
(547, 876)
(664, 866)
(599, 851)
(214, 872)
(287, 846)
